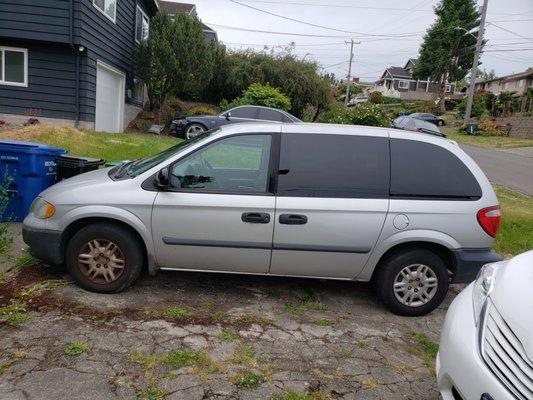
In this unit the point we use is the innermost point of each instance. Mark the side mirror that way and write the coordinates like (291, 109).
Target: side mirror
(228, 115)
(162, 181)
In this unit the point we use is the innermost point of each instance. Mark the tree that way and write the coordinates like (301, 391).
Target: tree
(174, 59)
(261, 95)
(447, 52)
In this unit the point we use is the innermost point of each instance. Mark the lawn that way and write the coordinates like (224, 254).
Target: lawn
(503, 142)
(516, 232)
(109, 146)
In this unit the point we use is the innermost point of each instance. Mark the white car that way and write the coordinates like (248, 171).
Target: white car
(486, 348)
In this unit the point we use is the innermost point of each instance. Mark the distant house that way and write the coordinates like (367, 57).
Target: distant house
(399, 82)
(71, 61)
(190, 9)
(518, 83)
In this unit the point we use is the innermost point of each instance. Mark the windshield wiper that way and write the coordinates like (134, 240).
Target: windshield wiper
(124, 168)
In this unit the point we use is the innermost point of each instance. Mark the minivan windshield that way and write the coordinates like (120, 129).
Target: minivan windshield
(137, 167)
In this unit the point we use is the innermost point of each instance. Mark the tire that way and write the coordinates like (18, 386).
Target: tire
(193, 130)
(440, 122)
(116, 268)
(390, 275)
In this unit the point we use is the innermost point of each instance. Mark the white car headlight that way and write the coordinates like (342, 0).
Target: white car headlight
(483, 287)
(42, 209)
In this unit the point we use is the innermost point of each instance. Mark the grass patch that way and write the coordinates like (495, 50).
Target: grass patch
(323, 322)
(26, 260)
(39, 288)
(516, 231)
(149, 393)
(247, 380)
(369, 384)
(77, 349)
(219, 315)
(226, 336)
(208, 304)
(317, 306)
(178, 312)
(486, 141)
(361, 344)
(252, 319)
(430, 348)
(14, 313)
(290, 395)
(109, 146)
(4, 367)
(293, 309)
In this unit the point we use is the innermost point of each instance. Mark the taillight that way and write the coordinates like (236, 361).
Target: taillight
(489, 218)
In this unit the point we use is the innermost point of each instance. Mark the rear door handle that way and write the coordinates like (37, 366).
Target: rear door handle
(256, 217)
(292, 219)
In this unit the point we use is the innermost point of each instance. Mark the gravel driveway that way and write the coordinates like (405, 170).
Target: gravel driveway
(209, 336)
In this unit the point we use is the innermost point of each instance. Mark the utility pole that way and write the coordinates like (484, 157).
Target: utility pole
(473, 71)
(349, 72)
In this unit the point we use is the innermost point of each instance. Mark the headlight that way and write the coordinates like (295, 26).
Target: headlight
(483, 287)
(42, 209)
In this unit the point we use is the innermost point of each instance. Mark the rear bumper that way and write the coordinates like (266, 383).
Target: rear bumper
(44, 245)
(468, 262)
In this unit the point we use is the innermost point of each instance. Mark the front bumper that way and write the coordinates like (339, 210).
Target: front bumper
(44, 244)
(459, 364)
(177, 128)
(468, 262)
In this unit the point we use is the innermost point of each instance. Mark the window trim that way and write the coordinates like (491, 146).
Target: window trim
(403, 81)
(2, 77)
(114, 19)
(273, 165)
(148, 19)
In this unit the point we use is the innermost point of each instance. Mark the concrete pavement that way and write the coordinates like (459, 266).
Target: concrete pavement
(512, 168)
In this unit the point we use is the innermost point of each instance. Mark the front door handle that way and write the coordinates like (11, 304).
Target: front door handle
(292, 219)
(256, 217)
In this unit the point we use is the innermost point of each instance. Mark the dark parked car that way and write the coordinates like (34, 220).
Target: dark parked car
(429, 118)
(189, 127)
(409, 123)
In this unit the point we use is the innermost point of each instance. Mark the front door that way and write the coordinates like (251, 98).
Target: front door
(332, 200)
(218, 213)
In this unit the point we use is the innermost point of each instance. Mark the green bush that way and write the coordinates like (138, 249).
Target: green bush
(261, 95)
(364, 114)
(479, 105)
(201, 110)
(426, 106)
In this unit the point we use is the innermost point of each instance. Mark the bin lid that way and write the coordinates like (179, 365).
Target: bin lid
(79, 160)
(30, 147)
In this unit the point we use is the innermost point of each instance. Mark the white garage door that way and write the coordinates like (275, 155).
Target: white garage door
(109, 99)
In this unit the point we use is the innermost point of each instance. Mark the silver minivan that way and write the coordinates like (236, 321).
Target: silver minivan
(409, 211)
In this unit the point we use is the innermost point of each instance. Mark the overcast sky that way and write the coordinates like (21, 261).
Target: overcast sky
(390, 31)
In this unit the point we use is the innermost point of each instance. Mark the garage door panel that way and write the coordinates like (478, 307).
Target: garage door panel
(109, 99)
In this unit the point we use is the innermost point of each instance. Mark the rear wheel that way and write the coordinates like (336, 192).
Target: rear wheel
(440, 122)
(104, 258)
(412, 282)
(193, 130)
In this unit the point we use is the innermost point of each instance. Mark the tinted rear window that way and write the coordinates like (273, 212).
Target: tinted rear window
(244, 112)
(348, 166)
(270, 115)
(425, 170)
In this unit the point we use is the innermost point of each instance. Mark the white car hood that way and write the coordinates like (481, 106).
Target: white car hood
(513, 297)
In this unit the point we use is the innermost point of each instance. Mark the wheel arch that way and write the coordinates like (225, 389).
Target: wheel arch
(74, 226)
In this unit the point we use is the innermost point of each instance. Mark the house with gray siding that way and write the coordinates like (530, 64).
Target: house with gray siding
(172, 8)
(400, 82)
(70, 61)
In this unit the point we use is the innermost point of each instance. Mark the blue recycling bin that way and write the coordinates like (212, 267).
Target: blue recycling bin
(26, 169)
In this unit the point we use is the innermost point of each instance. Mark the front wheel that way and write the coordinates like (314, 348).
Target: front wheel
(440, 122)
(193, 130)
(104, 258)
(413, 282)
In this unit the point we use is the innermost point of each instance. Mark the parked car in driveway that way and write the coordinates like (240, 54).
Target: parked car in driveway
(357, 100)
(407, 122)
(189, 127)
(411, 212)
(486, 347)
(431, 118)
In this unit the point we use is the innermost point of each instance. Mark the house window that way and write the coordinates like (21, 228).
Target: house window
(142, 25)
(447, 88)
(107, 7)
(13, 66)
(521, 83)
(403, 85)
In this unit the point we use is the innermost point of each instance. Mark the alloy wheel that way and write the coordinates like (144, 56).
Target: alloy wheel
(193, 131)
(101, 261)
(415, 285)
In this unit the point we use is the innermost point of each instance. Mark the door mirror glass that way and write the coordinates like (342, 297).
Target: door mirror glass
(162, 180)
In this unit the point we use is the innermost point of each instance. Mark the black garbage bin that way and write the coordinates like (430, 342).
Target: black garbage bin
(68, 166)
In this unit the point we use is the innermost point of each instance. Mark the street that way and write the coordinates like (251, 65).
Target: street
(512, 168)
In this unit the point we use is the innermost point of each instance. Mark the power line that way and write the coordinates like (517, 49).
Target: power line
(316, 25)
(507, 30)
(503, 50)
(234, 28)
(334, 6)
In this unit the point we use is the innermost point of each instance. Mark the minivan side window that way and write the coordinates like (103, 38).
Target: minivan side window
(234, 164)
(320, 165)
(424, 170)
